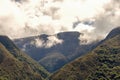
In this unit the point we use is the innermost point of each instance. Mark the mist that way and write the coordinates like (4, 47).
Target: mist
(23, 18)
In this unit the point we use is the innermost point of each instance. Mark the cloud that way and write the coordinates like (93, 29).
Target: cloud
(22, 18)
(52, 40)
(11, 18)
(107, 20)
(38, 43)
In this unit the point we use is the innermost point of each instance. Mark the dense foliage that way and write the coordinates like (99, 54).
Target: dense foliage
(16, 65)
(103, 63)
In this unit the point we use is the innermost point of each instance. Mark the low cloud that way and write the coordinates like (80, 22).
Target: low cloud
(52, 40)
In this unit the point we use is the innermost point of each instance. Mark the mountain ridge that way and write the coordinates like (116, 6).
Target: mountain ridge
(15, 64)
(102, 63)
(54, 57)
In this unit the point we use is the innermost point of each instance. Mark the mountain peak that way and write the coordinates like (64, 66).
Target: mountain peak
(8, 44)
(68, 35)
(113, 32)
(15, 63)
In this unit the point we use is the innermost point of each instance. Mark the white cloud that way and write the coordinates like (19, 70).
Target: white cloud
(38, 43)
(33, 17)
(52, 40)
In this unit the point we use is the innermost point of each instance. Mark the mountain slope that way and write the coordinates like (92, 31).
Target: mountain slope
(16, 65)
(57, 55)
(113, 33)
(103, 63)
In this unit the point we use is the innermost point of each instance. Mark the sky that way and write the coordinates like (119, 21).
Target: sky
(23, 18)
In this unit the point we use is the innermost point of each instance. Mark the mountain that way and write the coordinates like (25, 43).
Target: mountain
(113, 33)
(16, 65)
(102, 63)
(54, 51)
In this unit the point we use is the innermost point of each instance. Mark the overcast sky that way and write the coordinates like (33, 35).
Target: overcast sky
(94, 18)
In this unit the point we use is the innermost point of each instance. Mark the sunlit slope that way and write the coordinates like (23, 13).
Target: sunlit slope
(103, 63)
(16, 65)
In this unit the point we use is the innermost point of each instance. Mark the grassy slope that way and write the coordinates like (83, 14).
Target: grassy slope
(16, 65)
(103, 63)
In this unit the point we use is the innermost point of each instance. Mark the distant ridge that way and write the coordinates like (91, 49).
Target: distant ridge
(56, 56)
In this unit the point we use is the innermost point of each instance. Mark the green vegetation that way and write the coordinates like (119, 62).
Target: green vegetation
(103, 63)
(16, 65)
(51, 61)
(56, 56)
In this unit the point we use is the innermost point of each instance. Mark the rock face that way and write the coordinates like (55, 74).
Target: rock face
(54, 57)
(16, 65)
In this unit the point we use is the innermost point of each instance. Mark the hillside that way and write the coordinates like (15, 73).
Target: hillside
(16, 65)
(114, 32)
(102, 63)
(55, 56)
